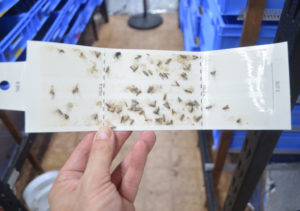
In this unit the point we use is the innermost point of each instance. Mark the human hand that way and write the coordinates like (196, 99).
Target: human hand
(85, 181)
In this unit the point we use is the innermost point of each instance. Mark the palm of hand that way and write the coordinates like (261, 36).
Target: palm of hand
(85, 182)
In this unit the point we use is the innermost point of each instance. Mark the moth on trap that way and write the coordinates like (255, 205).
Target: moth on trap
(213, 73)
(168, 61)
(134, 107)
(191, 105)
(137, 57)
(186, 66)
(148, 120)
(60, 50)
(156, 111)
(167, 105)
(81, 55)
(64, 115)
(150, 89)
(134, 102)
(97, 54)
(189, 90)
(134, 67)
(52, 92)
(226, 107)
(59, 111)
(75, 89)
(119, 109)
(152, 104)
(93, 69)
(181, 117)
(95, 116)
(197, 118)
(110, 107)
(145, 73)
(134, 89)
(70, 106)
(176, 84)
(99, 103)
(164, 75)
(165, 96)
(169, 122)
(117, 55)
(159, 120)
(124, 118)
(184, 76)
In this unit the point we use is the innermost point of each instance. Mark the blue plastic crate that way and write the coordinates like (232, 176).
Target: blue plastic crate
(188, 37)
(194, 8)
(16, 29)
(191, 8)
(5, 5)
(71, 11)
(220, 32)
(289, 142)
(56, 25)
(233, 7)
(183, 8)
(79, 22)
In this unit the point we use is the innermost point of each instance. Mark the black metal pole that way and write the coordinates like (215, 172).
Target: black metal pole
(145, 8)
(258, 145)
(203, 142)
(145, 20)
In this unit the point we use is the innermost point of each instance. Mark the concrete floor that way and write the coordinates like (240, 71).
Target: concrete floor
(173, 177)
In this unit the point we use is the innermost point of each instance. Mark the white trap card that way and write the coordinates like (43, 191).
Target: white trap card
(76, 88)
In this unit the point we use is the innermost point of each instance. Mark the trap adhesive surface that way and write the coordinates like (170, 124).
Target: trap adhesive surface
(76, 88)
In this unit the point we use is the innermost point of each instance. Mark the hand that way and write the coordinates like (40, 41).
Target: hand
(85, 182)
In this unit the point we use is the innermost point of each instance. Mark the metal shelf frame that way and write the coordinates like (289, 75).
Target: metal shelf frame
(259, 145)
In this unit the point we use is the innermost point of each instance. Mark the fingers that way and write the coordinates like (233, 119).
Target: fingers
(128, 174)
(121, 137)
(78, 159)
(101, 156)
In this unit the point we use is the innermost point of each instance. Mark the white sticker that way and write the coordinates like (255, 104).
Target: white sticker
(11, 86)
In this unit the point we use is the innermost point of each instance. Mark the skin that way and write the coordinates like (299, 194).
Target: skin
(85, 181)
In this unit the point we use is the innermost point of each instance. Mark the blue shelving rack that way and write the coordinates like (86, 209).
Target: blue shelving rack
(45, 20)
(215, 24)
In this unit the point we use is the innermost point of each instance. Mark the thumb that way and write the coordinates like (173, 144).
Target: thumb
(101, 155)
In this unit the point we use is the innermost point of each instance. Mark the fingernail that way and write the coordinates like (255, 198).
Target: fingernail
(104, 133)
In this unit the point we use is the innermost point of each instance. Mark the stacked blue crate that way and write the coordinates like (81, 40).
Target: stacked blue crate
(215, 24)
(188, 21)
(233, 7)
(5, 5)
(57, 24)
(221, 28)
(46, 20)
(80, 20)
(20, 24)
